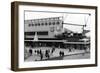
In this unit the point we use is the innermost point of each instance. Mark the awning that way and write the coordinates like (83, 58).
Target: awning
(59, 41)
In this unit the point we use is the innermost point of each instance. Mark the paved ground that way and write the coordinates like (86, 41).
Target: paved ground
(75, 54)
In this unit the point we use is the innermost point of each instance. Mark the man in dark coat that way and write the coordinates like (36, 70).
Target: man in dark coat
(30, 52)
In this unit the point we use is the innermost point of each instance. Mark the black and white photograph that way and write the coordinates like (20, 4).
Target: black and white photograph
(51, 36)
(56, 35)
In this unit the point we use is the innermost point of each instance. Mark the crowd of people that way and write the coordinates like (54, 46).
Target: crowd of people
(42, 53)
(47, 53)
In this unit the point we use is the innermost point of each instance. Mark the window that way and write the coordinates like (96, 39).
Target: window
(29, 25)
(58, 22)
(35, 24)
(42, 24)
(42, 33)
(38, 24)
(32, 24)
(49, 23)
(45, 23)
(29, 33)
(53, 23)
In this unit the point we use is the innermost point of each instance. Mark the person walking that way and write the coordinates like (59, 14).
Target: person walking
(47, 54)
(53, 49)
(30, 52)
(70, 49)
(41, 56)
(85, 48)
(60, 53)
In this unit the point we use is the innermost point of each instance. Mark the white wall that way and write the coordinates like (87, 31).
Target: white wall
(5, 38)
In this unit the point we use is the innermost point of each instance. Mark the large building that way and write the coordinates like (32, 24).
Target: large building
(50, 32)
(44, 28)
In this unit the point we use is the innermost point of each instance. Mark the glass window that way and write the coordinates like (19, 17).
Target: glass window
(29, 25)
(38, 24)
(32, 24)
(58, 22)
(45, 23)
(29, 33)
(35, 24)
(49, 23)
(53, 23)
(42, 24)
(42, 33)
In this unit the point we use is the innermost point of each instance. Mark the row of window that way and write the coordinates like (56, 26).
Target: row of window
(38, 33)
(42, 24)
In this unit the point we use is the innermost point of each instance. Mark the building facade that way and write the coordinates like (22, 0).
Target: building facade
(44, 28)
(42, 32)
